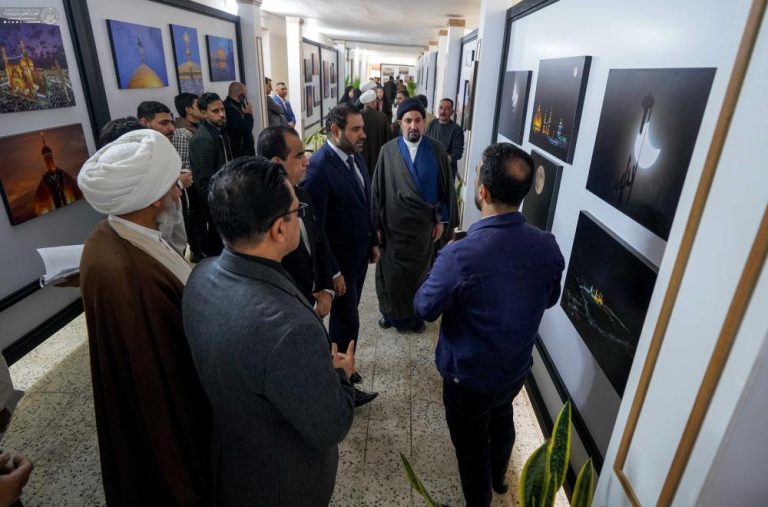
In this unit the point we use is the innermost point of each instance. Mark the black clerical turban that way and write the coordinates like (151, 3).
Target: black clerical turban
(410, 105)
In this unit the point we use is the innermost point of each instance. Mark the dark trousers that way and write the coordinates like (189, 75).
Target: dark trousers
(483, 433)
(344, 325)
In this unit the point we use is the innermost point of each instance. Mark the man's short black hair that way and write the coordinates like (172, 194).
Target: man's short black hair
(279, 84)
(339, 115)
(271, 142)
(447, 100)
(423, 99)
(507, 173)
(404, 92)
(116, 128)
(207, 99)
(149, 108)
(246, 196)
(182, 101)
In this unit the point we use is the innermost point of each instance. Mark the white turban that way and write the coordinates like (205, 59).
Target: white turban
(367, 97)
(369, 85)
(130, 173)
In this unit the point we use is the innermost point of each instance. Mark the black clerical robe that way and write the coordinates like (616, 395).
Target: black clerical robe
(406, 222)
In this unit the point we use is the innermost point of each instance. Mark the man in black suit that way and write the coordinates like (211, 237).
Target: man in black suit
(239, 125)
(209, 149)
(310, 264)
(338, 181)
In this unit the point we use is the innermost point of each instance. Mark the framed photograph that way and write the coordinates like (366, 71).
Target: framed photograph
(138, 54)
(540, 203)
(37, 46)
(186, 53)
(333, 73)
(326, 79)
(513, 104)
(38, 171)
(560, 89)
(607, 291)
(314, 64)
(307, 70)
(309, 100)
(221, 58)
(648, 128)
(317, 98)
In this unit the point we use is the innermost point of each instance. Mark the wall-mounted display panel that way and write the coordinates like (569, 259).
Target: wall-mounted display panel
(540, 203)
(138, 55)
(34, 72)
(186, 53)
(648, 128)
(513, 104)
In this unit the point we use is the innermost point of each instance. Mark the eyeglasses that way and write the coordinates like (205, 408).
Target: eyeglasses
(301, 212)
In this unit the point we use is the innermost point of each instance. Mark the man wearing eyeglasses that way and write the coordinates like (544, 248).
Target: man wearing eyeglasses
(279, 392)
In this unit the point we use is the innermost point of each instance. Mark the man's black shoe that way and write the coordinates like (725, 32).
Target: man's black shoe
(419, 328)
(501, 487)
(361, 397)
(356, 378)
(384, 323)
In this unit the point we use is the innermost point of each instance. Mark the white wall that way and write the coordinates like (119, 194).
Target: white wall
(276, 62)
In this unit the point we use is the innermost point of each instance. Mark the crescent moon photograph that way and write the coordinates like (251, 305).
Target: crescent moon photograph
(648, 127)
(540, 203)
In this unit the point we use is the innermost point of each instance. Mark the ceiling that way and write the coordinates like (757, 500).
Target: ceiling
(381, 22)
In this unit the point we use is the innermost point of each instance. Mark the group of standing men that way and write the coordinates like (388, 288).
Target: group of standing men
(220, 385)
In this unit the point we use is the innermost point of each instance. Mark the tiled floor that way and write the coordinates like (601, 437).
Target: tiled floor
(54, 423)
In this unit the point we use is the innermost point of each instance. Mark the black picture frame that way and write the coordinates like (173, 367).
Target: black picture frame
(561, 85)
(513, 106)
(606, 294)
(649, 124)
(541, 202)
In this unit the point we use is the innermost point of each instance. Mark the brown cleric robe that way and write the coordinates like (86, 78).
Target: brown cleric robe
(152, 416)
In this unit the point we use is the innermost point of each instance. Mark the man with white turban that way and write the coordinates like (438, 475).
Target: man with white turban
(376, 128)
(152, 415)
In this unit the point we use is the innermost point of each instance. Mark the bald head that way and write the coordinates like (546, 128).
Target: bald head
(236, 89)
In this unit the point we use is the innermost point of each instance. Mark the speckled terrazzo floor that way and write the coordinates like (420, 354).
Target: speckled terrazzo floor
(54, 423)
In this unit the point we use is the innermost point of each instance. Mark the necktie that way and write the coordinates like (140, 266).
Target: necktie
(358, 179)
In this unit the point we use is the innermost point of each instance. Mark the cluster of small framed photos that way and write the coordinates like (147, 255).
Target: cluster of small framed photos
(647, 130)
(139, 57)
(321, 88)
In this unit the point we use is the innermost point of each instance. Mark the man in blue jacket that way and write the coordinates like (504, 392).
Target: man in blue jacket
(492, 289)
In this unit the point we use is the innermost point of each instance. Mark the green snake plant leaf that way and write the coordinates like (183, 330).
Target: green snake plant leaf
(585, 486)
(532, 478)
(558, 450)
(415, 482)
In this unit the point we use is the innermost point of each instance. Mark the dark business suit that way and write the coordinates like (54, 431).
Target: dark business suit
(279, 407)
(346, 213)
(209, 149)
(239, 128)
(310, 269)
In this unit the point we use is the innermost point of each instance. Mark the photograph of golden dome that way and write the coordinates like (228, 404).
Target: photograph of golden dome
(33, 73)
(186, 51)
(137, 51)
(221, 58)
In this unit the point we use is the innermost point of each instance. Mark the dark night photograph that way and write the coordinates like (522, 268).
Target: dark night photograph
(513, 104)
(606, 295)
(560, 89)
(539, 205)
(648, 128)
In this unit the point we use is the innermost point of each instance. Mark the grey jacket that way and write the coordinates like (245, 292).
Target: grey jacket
(279, 407)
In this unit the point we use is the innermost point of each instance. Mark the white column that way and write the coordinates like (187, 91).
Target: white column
(341, 67)
(490, 33)
(452, 59)
(250, 28)
(440, 77)
(293, 36)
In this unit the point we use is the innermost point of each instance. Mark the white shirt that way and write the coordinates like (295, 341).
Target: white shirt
(413, 147)
(344, 156)
(144, 231)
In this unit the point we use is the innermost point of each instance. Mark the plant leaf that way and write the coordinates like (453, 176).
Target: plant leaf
(558, 451)
(585, 486)
(415, 483)
(532, 478)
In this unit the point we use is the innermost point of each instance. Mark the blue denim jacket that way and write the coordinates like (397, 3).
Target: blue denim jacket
(492, 288)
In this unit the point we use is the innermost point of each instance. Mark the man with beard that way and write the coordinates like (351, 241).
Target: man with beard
(338, 182)
(414, 196)
(152, 415)
(492, 288)
(209, 150)
(376, 129)
(448, 133)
